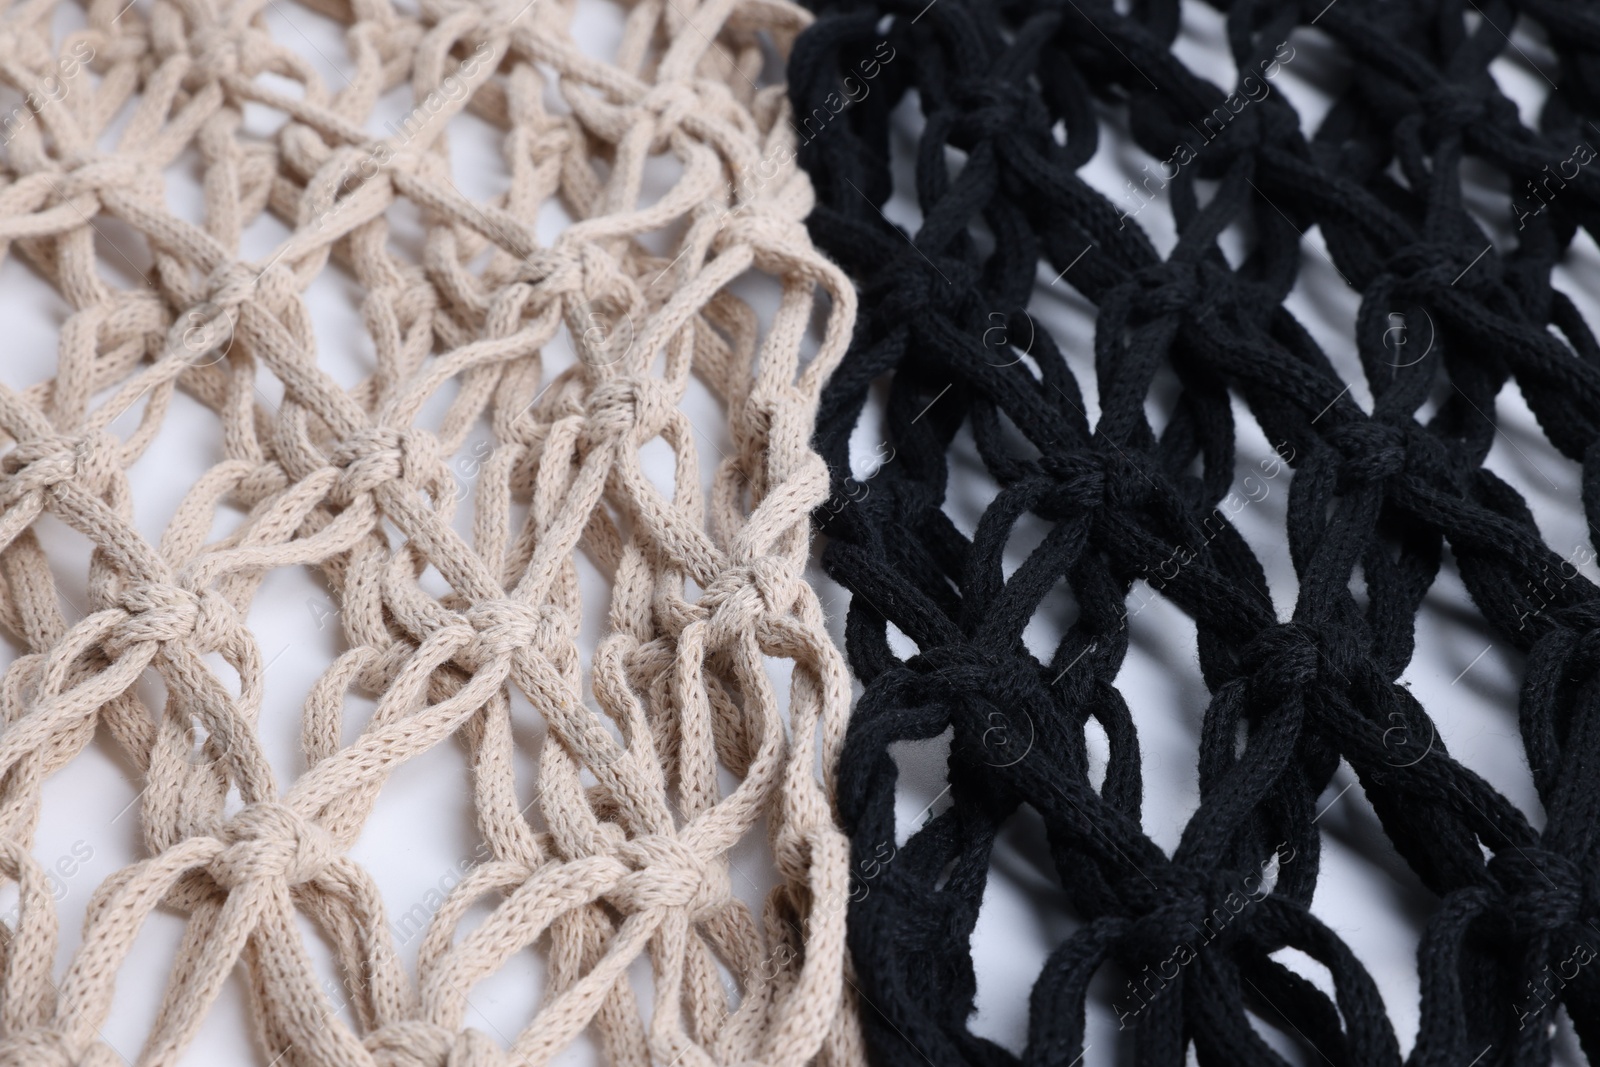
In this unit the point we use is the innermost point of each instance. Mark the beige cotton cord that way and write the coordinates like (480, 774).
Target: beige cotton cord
(618, 849)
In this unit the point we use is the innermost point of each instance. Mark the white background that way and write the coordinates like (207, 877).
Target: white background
(422, 828)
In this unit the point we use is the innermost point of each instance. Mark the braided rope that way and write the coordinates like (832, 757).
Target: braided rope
(623, 852)
(1013, 99)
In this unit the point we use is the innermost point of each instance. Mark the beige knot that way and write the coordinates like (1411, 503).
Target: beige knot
(159, 612)
(766, 232)
(415, 1043)
(632, 410)
(270, 841)
(768, 414)
(666, 873)
(205, 331)
(380, 455)
(89, 462)
(672, 102)
(742, 596)
(233, 285)
(552, 272)
(95, 172)
(587, 278)
(767, 404)
(215, 54)
(501, 627)
(602, 330)
(36, 1047)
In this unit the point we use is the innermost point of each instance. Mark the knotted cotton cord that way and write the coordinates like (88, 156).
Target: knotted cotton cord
(1011, 96)
(618, 849)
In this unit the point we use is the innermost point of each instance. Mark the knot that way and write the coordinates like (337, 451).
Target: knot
(1130, 480)
(233, 285)
(1191, 903)
(764, 229)
(36, 1047)
(664, 872)
(1172, 288)
(1428, 267)
(1450, 106)
(1574, 628)
(88, 462)
(959, 667)
(1373, 451)
(990, 699)
(925, 287)
(214, 53)
(380, 455)
(628, 410)
(1177, 912)
(1080, 484)
(600, 300)
(501, 627)
(990, 108)
(1282, 657)
(1086, 480)
(97, 172)
(1259, 124)
(661, 110)
(753, 426)
(552, 272)
(602, 329)
(417, 1043)
(672, 102)
(1544, 890)
(741, 597)
(270, 841)
(206, 330)
(160, 612)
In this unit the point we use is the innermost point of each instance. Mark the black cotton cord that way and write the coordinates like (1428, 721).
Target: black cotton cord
(1018, 89)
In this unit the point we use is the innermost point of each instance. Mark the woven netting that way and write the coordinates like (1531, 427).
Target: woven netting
(616, 849)
(1012, 99)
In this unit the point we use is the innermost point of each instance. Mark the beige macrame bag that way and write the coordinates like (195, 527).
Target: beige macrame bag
(623, 852)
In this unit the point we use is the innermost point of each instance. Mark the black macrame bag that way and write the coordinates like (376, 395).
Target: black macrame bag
(1018, 88)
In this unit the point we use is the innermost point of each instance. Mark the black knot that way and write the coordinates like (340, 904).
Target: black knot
(1372, 451)
(958, 667)
(1280, 124)
(1259, 125)
(916, 291)
(1080, 484)
(1581, 621)
(1585, 657)
(1282, 657)
(1167, 288)
(1565, 636)
(1129, 482)
(1543, 889)
(1427, 456)
(991, 697)
(993, 109)
(1452, 106)
(1191, 906)
(1430, 267)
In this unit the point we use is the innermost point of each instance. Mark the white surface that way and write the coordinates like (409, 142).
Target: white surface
(421, 830)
